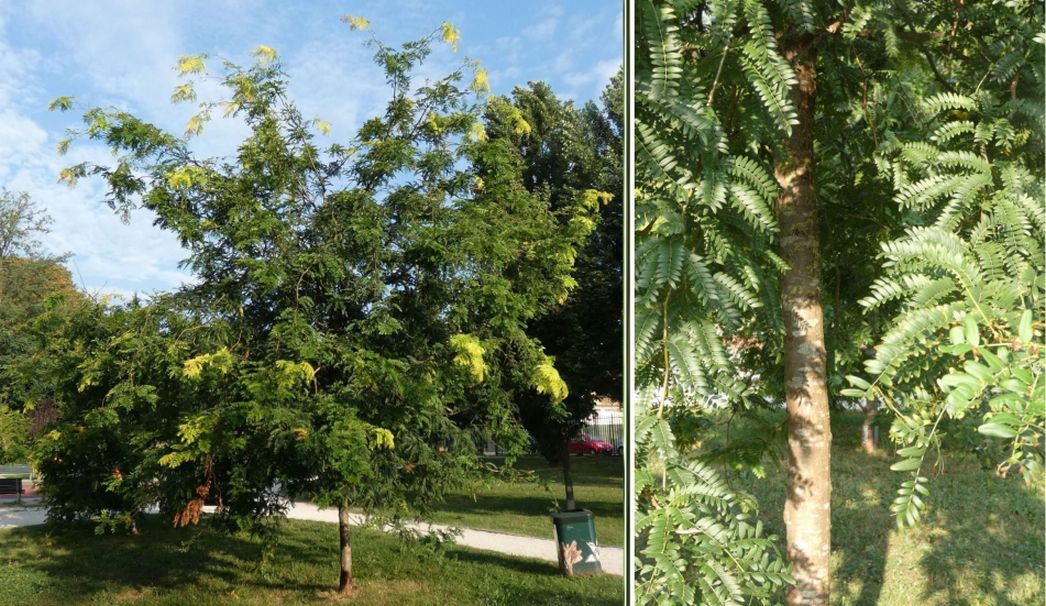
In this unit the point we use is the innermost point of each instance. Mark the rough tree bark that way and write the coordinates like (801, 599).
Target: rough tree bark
(568, 478)
(344, 527)
(807, 510)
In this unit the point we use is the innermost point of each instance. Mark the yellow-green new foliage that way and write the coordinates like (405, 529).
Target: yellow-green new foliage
(469, 354)
(221, 361)
(547, 381)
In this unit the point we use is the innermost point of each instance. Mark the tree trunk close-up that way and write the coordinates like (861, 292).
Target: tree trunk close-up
(807, 510)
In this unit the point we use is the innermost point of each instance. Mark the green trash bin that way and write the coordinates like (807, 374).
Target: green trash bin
(575, 534)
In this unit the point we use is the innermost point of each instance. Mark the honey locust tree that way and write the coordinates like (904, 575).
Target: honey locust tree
(566, 151)
(963, 356)
(740, 108)
(706, 272)
(942, 97)
(366, 301)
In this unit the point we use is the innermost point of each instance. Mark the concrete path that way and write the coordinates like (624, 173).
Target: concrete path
(612, 558)
(13, 517)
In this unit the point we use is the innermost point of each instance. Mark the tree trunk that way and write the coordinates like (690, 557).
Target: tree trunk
(568, 479)
(869, 437)
(345, 583)
(807, 510)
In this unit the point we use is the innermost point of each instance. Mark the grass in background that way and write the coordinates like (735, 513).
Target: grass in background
(981, 541)
(200, 566)
(523, 507)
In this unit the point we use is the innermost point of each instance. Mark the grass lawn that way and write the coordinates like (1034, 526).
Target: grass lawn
(200, 566)
(980, 542)
(524, 507)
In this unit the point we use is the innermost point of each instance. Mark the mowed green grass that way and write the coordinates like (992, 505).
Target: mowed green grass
(524, 507)
(200, 566)
(980, 542)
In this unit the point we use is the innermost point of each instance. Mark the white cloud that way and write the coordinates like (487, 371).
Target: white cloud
(106, 253)
(16, 66)
(594, 79)
(125, 48)
(541, 31)
(555, 10)
(574, 39)
(20, 140)
(319, 71)
(563, 61)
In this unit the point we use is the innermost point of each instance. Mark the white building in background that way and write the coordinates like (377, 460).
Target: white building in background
(608, 412)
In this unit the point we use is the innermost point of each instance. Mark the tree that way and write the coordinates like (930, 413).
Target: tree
(27, 274)
(761, 67)
(21, 221)
(566, 151)
(360, 312)
(31, 282)
(736, 91)
(29, 288)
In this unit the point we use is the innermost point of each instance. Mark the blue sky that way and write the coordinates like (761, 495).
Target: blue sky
(121, 53)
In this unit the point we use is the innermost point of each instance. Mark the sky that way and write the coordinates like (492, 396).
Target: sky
(121, 53)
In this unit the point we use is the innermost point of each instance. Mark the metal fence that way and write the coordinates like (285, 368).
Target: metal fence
(606, 429)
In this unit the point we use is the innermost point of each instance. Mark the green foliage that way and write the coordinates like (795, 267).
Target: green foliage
(964, 352)
(547, 381)
(32, 284)
(572, 157)
(469, 355)
(704, 201)
(704, 276)
(698, 541)
(359, 318)
(21, 222)
(14, 434)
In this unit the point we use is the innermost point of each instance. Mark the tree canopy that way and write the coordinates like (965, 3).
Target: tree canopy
(568, 151)
(32, 283)
(361, 307)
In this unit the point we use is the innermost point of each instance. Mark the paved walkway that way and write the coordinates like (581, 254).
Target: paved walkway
(13, 517)
(612, 558)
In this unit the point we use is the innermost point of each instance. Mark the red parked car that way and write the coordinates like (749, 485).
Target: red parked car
(586, 444)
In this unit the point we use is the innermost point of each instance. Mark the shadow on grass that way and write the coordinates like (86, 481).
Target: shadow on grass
(987, 541)
(52, 566)
(980, 542)
(861, 522)
(84, 564)
(534, 567)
